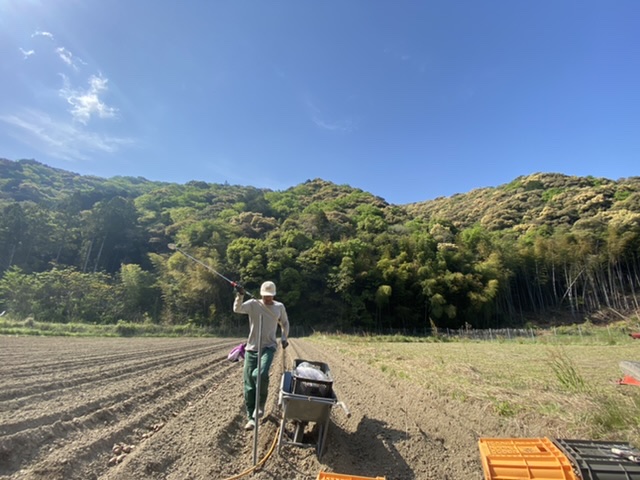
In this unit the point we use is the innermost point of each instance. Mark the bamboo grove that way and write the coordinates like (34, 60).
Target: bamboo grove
(83, 249)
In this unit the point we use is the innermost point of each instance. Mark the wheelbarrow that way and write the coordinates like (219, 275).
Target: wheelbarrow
(306, 401)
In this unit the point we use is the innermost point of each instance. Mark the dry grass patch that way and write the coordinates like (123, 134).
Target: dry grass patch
(566, 391)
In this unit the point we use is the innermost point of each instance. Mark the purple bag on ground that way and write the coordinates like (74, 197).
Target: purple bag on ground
(237, 353)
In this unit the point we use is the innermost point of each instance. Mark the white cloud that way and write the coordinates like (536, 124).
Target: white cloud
(87, 103)
(54, 132)
(63, 53)
(27, 53)
(67, 57)
(39, 33)
(64, 140)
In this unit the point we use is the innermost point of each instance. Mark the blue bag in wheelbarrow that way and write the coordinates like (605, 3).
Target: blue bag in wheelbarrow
(312, 379)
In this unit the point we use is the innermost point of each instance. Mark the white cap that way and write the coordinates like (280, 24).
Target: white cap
(268, 289)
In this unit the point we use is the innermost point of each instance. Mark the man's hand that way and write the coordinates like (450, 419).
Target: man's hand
(239, 289)
(285, 343)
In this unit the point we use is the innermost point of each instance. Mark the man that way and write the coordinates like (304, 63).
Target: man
(273, 314)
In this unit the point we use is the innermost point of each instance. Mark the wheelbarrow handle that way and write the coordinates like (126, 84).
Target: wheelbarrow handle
(344, 407)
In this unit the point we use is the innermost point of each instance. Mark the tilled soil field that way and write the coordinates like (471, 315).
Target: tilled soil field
(148, 408)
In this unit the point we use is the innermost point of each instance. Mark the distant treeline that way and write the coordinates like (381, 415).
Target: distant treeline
(84, 249)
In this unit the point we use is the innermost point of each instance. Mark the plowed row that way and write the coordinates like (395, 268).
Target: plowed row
(65, 403)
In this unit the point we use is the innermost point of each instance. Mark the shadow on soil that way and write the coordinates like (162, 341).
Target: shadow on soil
(368, 451)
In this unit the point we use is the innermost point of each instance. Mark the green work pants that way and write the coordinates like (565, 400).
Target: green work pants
(251, 375)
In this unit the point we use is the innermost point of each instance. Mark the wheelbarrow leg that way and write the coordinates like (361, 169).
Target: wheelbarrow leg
(322, 437)
(282, 423)
(299, 433)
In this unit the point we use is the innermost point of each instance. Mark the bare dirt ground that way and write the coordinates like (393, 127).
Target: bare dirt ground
(175, 405)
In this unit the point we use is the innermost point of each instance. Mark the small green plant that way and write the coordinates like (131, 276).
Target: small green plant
(392, 372)
(566, 372)
(459, 395)
(504, 408)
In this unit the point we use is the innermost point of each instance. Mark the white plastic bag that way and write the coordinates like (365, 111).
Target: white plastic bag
(311, 372)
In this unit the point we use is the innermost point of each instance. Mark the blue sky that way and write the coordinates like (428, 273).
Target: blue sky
(408, 100)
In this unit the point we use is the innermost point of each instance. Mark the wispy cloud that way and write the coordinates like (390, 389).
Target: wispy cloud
(342, 125)
(87, 103)
(60, 139)
(67, 57)
(27, 53)
(62, 52)
(63, 131)
(39, 33)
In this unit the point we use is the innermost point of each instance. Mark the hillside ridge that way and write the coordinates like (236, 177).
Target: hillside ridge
(528, 201)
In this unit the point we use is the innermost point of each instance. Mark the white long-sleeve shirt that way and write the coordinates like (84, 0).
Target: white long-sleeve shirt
(272, 316)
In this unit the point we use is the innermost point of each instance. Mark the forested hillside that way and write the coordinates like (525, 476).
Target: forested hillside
(79, 248)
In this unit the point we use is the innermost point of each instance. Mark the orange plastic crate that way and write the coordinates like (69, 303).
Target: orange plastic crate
(524, 458)
(340, 476)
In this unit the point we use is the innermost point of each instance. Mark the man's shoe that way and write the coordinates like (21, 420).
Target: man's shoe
(260, 413)
(250, 425)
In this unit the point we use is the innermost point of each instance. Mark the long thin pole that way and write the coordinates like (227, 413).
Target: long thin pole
(172, 246)
(256, 413)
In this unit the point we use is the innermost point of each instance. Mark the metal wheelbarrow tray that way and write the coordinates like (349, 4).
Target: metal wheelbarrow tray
(302, 409)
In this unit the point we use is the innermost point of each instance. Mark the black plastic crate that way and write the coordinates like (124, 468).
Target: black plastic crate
(312, 387)
(596, 460)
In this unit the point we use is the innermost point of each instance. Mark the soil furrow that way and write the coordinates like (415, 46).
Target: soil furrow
(120, 419)
(55, 366)
(91, 457)
(19, 359)
(163, 382)
(44, 390)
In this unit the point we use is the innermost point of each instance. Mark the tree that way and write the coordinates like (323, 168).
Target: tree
(139, 294)
(111, 236)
